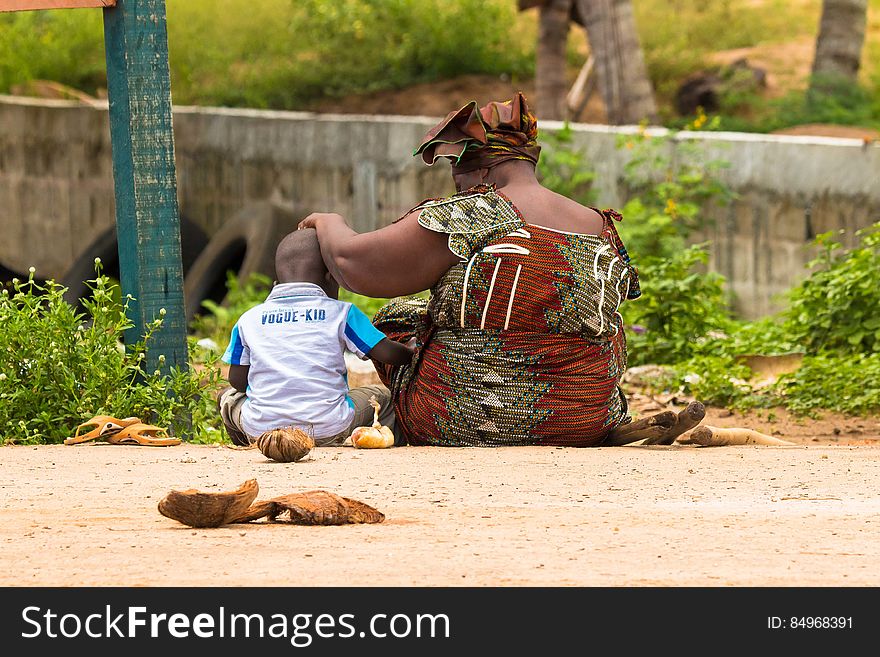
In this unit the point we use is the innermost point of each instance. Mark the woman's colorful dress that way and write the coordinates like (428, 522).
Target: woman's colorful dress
(521, 343)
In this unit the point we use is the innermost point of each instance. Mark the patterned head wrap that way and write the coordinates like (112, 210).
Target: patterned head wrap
(483, 138)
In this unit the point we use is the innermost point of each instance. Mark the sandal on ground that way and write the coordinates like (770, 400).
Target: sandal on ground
(143, 434)
(104, 427)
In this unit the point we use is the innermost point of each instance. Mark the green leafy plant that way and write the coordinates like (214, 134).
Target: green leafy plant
(837, 307)
(831, 382)
(833, 317)
(678, 307)
(61, 367)
(669, 183)
(716, 380)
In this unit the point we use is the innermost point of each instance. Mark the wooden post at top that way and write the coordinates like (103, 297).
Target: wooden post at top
(147, 220)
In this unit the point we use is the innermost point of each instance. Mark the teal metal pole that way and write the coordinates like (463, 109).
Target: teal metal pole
(147, 218)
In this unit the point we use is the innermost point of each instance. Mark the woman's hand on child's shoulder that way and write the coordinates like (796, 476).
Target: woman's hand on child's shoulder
(312, 220)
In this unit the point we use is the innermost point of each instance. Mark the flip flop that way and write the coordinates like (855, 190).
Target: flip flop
(105, 426)
(143, 434)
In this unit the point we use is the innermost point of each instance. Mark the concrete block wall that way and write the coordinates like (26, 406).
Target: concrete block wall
(358, 166)
(56, 187)
(56, 182)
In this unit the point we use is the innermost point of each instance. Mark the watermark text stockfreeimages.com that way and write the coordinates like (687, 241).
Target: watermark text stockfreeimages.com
(301, 629)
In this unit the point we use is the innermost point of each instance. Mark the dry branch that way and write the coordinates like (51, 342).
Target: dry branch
(719, 437)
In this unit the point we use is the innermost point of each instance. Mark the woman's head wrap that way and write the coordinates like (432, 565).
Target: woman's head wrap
(482, 138)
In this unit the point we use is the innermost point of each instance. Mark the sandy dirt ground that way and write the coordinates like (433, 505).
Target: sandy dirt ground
(636, 516)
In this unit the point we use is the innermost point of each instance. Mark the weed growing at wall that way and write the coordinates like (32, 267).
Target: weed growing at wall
(832, 317)
(679, 306)
(837, 307)
(59, 367)
(669, 183)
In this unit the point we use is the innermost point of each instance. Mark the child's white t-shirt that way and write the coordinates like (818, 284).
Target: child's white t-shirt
(295, 344)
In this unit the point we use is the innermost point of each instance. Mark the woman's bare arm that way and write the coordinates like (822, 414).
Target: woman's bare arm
(396, 260)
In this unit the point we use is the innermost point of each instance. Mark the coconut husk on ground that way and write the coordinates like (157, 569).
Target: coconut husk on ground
(197, 509)
(315, 507)
(285, 445)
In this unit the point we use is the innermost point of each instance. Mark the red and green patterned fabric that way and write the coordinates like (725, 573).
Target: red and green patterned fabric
(521, 342)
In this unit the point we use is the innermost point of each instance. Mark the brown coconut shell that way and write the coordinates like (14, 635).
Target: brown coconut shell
(314, 507)
(285, 445)
(198, 509)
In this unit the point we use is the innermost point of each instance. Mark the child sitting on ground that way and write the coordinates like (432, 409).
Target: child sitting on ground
(286, 356)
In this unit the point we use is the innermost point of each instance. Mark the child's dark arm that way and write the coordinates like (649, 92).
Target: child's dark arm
(238, 377)
(392, 352)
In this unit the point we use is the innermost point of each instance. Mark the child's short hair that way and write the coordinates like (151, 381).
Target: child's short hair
(298, 257)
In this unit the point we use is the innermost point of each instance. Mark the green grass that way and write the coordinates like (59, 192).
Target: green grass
(283, 54)
(286, 54)
(62, 45)
(676, 48)
(850, 105)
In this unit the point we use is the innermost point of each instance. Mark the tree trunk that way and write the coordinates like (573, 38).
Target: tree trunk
(840, 40)
(620, 63)
(550, 81)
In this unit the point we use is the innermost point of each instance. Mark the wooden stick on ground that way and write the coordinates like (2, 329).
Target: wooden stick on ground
(687, 419)
(653, 426)
(719, 437)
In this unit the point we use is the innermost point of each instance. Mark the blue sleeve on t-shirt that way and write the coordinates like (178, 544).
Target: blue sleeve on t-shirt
(360, 334)
(237, 353)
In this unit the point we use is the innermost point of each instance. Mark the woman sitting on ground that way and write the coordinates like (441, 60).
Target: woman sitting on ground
(521, 341)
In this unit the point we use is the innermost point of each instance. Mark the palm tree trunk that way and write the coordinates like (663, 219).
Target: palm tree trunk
(620, 63)
(840, 40)
(550, 65)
